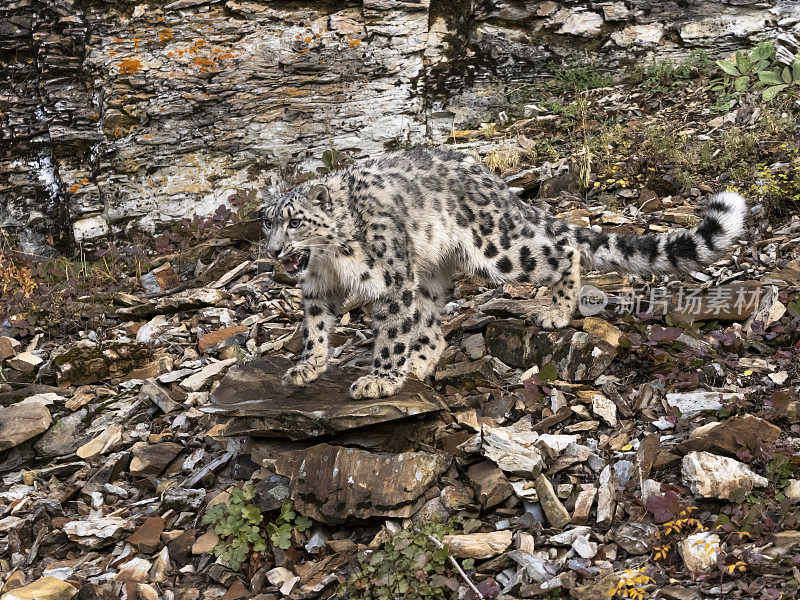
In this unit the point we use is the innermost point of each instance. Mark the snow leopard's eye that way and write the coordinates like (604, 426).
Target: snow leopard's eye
(293, 223)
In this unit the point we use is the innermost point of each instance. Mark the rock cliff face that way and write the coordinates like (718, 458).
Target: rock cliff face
(119, 115)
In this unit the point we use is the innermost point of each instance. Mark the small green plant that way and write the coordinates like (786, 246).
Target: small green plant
(407, 565)
(777, 80)
(280, 530)
(746, 69)
(238, 523)
(578, 77)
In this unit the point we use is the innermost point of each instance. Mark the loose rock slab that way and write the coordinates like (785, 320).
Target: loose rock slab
(713, 476)
(479, 545)
(267, 408)
(22, 422)
(46, 588)
(332, 482)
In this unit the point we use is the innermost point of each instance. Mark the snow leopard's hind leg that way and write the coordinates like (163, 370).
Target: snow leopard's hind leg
(319, 316)
(393, 320)
(562, 297)
(427, 341)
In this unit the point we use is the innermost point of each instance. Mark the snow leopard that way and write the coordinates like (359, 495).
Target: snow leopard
(392, 231)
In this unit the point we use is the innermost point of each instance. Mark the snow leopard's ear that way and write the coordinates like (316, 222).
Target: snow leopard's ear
(320, 195)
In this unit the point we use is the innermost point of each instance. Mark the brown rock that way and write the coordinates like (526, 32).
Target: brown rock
(221, 335)
(237, 591)
(25, 362)
(180, 549)
(557, 515)
(161, 364)
(583, 504)
(7, 348)
(205, 543)
(16, 580)
(479, 545)
(151, 459)
(46, 588)
(160, 279)
(490, 483)
(468, 375)
(21, 422)
(329, 483)
(147, 538)
(81, 366)
(788, 275)
(602, 329)
(728, 437)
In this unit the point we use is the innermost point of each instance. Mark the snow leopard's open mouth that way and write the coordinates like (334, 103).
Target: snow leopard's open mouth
(294, 263)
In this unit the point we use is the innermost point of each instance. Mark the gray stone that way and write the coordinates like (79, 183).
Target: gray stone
(636, 538)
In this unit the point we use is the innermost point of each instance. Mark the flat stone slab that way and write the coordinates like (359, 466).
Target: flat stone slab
(266, 408)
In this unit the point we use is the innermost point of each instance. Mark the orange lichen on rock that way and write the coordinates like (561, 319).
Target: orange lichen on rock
(130, 66)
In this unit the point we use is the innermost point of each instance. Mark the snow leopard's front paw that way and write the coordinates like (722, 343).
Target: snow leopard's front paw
(302, 374)
(375, 386)
(421, 365)
(551, 318)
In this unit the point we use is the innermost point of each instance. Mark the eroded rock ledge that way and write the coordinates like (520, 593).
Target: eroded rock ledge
(121, 115)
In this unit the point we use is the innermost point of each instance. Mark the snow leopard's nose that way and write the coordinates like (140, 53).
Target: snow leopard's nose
(274, 253)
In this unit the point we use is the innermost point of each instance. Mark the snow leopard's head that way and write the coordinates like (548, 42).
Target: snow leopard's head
(297, 224)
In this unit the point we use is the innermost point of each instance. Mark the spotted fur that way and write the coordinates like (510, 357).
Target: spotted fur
(392, 231)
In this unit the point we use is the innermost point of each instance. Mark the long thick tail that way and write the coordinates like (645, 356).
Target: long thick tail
(672, 252)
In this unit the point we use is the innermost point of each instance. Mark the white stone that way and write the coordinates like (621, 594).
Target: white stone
(792, 490)
(639, 35)
(25, 362)
(556, 442)
(605, 409)
(193, 383)
(724, 24)
(713, 476)
(47, 399)
(699, 551)
(90, 228)
(691, 403)
(511, 448)
(615, 11)
(93, 531)
(584, 547)
(567, 538)
(606, 498)
(279, 576)
(582, 23)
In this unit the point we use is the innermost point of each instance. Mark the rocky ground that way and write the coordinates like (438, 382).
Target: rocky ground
(651, 449)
